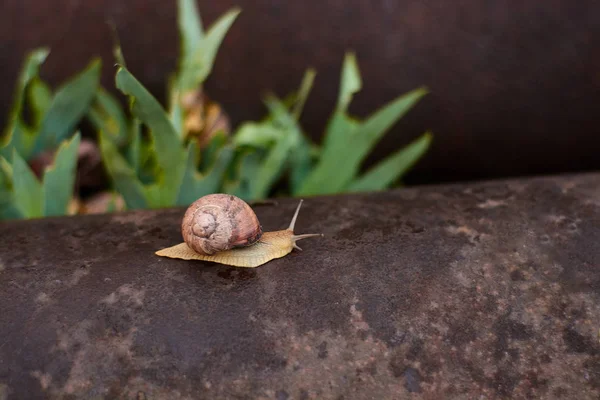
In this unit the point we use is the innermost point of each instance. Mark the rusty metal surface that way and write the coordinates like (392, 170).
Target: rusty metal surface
(464, 292)
(513, 84)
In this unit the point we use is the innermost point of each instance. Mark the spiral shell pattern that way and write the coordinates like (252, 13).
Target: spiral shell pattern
(218, 222)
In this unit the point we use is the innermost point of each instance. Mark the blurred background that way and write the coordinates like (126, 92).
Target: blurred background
(514, 85)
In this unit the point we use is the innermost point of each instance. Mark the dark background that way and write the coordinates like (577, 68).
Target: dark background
(515, 85)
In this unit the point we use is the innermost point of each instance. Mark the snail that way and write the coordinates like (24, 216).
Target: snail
(224, 229)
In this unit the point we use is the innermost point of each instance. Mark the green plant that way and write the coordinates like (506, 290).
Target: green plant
(49, 135)
(348, 141)
(54, 116)
(26, 196)
(164, 168)
(264, 149)
(162, 156)
(259, 154)
(334, 167)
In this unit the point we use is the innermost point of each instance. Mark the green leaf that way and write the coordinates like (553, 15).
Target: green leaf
(245, 169)
(350, 82)
(341, 125)
(8, 208)
(207, 51)
(322, 176)
(194, 184)
(305, 88)
(27, 190)
(59, 178)
(107, 115)
(257, 134)
(190, 28)
(15, 128)
(212, 150)
(122, 175)
(196, 68)
(40, 97)
(175, 110)
(388, 171)
(301, 162)
(69, 105)
(273, 164)
(134, 150)
(116, 46)
(6, 173)
(340, 162)
(167, 144)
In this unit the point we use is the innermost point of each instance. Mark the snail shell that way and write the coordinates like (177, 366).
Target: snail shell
(219, 222)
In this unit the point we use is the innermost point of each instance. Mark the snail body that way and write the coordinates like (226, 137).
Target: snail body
(224, 229)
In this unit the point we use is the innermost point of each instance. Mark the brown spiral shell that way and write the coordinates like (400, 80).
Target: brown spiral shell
(218, 222)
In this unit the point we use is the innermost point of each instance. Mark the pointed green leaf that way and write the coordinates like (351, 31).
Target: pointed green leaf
(167, 144)
(190, 27)
(40, 98)
(69, 105)
(305, 88)
(116, 48)
(340, 125)
(213, 39)
(195, 69)
(340, 162)
(59, 178)
(22, 139)
(15, 127)
(373, 128)
(350, 82)
(321, 179)
(107, 115)
(28, 193)
(388, 171)
(122, 175)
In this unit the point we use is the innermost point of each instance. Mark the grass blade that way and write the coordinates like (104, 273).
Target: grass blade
(59, 178)
(388, 171)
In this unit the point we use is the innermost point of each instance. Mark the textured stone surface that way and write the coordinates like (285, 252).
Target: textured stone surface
(466, 292)
(513, 83)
